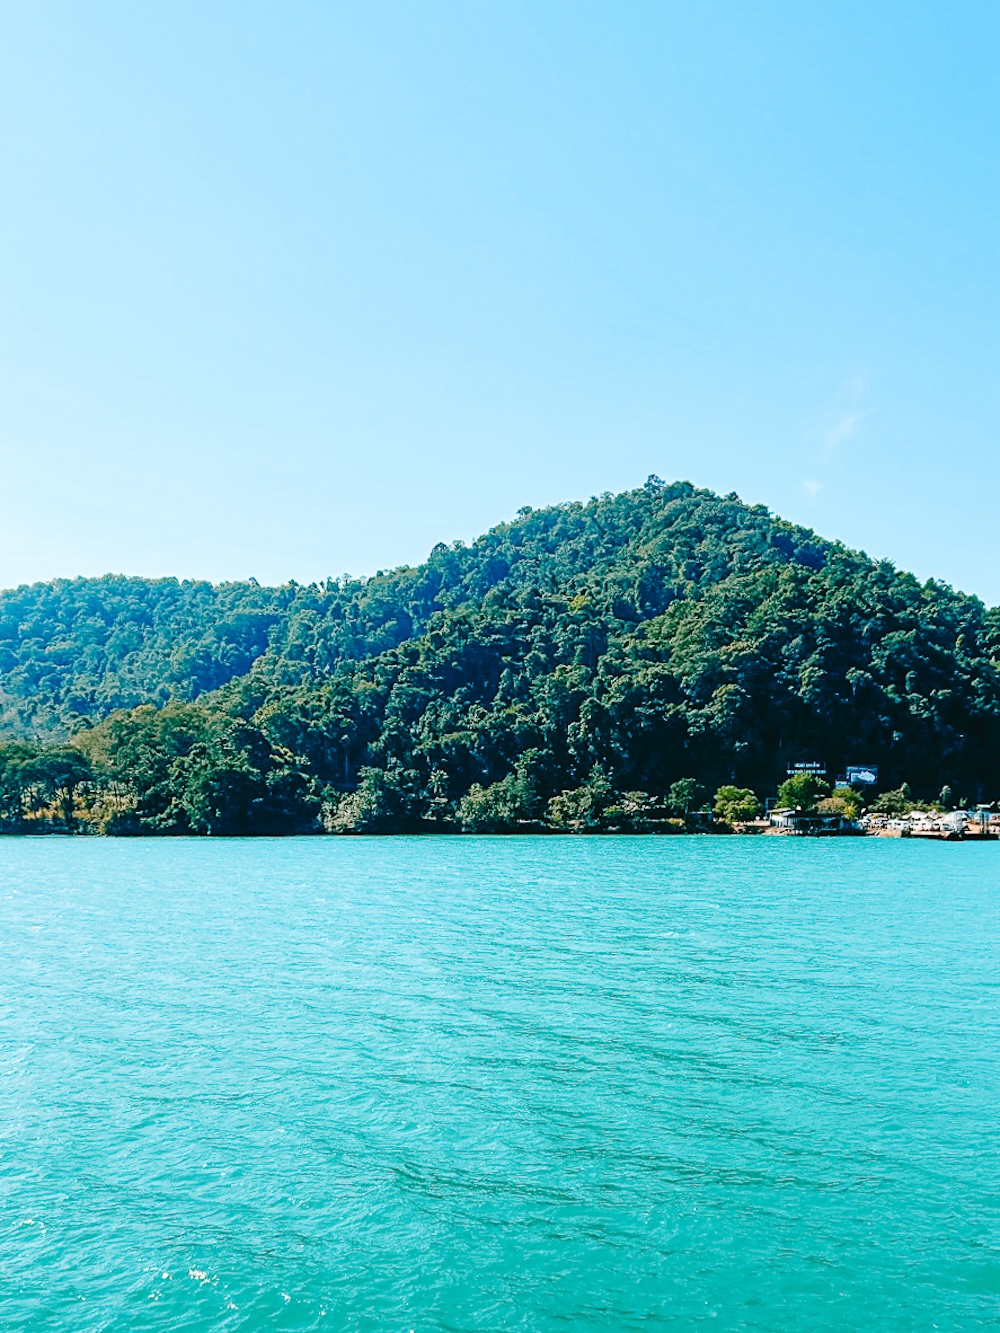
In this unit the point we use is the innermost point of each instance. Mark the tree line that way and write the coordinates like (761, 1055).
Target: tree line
(572, 669)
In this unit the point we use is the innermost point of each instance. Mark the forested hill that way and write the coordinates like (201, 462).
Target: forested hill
(630, 641)
(72, 651)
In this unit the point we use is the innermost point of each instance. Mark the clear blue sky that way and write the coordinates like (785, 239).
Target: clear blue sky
(292, 289)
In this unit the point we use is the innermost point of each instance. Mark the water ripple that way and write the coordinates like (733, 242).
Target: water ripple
(487, 1083)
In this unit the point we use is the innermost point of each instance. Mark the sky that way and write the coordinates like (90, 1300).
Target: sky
(289, 290)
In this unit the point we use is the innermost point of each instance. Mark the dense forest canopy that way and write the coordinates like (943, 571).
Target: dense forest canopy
(568, 669)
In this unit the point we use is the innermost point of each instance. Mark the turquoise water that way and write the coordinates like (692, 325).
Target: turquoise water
(488, 1083)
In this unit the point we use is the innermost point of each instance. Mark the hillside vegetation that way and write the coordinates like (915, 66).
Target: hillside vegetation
(567, 669)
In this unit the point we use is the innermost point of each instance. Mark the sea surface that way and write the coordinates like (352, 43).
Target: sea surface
(499, 1084)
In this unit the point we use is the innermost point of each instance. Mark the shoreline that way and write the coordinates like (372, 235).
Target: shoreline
(853, 835)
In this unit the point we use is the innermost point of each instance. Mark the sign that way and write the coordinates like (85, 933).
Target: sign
(811, 767)
(862, 775)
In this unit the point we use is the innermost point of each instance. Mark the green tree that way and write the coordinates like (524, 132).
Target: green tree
(573, 811)
(736, 805)
(15, 764)
(633, 812)
(505, 805)
(383, 802)
(135, 757)
(684, 796)
(492, 809)
(898, 802)
(581, 809)
(844, 801)
(802, 791)
(50, 780)
(235, 783)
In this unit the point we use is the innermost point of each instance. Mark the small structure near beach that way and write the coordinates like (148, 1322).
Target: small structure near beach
(804, 823)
